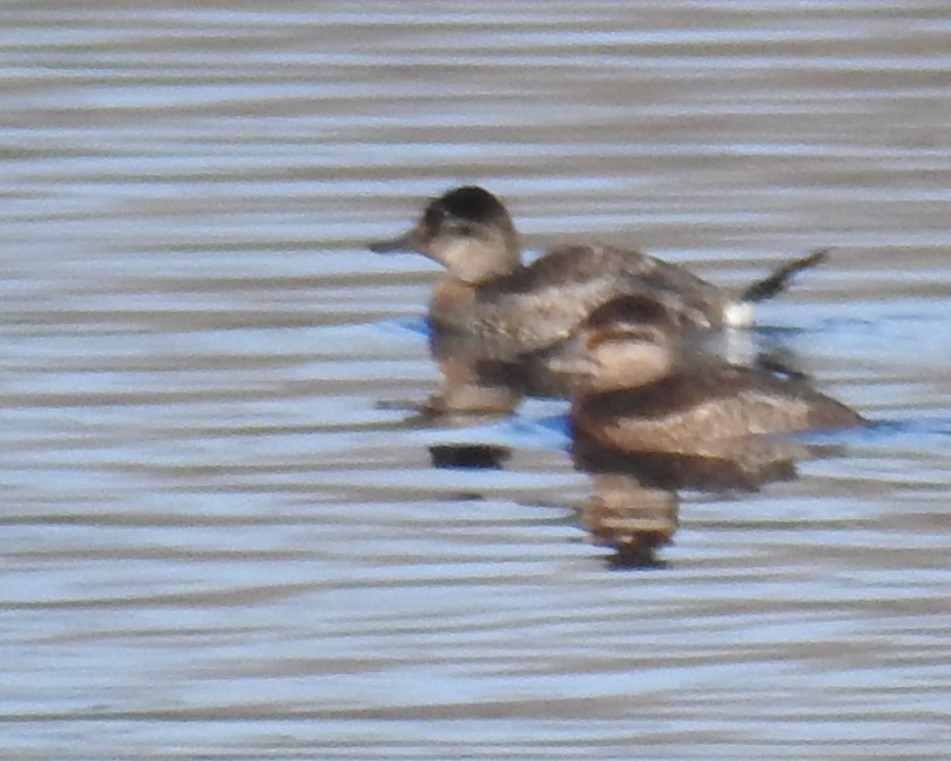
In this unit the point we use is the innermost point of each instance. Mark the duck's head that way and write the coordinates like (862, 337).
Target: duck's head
(468, 231)
(628, 342)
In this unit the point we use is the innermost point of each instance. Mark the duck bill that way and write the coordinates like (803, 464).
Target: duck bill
(570, 358)
(408, 241)
(572, 365)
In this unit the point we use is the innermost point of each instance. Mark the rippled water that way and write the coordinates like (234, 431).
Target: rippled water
(223, 532)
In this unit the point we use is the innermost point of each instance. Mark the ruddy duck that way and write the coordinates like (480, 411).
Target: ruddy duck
(640, 390)
(489, 294)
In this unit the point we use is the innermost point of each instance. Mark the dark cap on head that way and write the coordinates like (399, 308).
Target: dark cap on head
(633, 309)
(469, 202)
(468, 231)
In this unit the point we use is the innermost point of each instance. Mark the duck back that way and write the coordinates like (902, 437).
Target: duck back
(543, 302)
(688, 412)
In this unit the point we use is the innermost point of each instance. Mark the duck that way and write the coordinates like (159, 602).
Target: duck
(640, 386)
(489, 295)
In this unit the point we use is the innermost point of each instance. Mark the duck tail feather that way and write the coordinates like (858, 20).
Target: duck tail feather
(777, 281)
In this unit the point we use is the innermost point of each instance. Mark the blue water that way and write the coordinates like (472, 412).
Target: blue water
(224, 534)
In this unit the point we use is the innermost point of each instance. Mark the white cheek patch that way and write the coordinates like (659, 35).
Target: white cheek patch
(472, 261)
(455, 254)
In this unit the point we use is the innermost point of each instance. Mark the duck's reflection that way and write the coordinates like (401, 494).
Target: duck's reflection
(635, 500)
(633, 519)
(471, 456)
(478, 377)
(473, 382)
(634, 507)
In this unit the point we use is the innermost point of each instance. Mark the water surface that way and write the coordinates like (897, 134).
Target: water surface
(223, 534)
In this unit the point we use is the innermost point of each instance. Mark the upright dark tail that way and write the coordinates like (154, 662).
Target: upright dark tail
(776, 282)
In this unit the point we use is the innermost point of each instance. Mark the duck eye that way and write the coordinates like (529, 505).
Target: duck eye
(464, 228)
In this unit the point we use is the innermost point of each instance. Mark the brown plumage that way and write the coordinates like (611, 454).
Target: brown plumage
(639, 390)
(488, 292)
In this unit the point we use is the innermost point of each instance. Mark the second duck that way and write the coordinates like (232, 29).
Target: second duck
(488, 293)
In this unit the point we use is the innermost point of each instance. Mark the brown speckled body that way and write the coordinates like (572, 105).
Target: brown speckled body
(487, 293)
(695, 412)
(639, 389)
(542, 303)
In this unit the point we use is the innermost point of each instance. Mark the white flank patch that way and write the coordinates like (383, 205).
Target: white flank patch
(739, 314)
